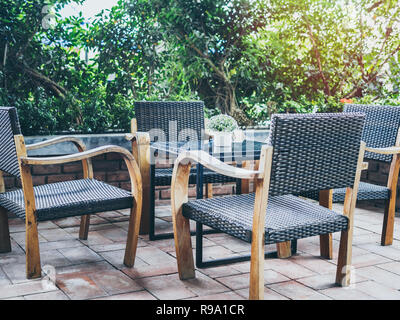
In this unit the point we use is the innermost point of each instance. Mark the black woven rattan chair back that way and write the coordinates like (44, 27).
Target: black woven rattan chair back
(381, 126)
(9, 126)
(314, 151)
(176, 120)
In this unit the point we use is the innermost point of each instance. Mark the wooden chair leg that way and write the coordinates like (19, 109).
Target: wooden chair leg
(325, 240)
(256, 291)
(344, 267)
(183, 245)
(84, 228)
(344, 259)
(257, 271)
(133, 235)
(33, 268)
(5, 243)
(388, 223)
(325, 245)
(245, 183)
(390, 208)
(209, 190)
(284, 249)
(183, 241)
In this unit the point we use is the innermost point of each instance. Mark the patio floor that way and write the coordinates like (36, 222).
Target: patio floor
(93, 269)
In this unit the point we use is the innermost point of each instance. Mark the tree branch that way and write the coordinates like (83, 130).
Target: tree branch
(318, 58)
(47, 82)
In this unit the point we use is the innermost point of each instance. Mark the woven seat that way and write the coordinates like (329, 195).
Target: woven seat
(69, 198)
(287, 218)
(366, 191)
(163, 177)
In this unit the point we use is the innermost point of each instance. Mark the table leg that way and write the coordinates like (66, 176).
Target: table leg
(151, 206)
(199, 182)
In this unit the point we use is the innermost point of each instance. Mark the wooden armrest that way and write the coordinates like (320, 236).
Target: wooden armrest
(388, 150)
(78, 156)
(140, 137)
(214, 164)
(133, 169)
(77, 142)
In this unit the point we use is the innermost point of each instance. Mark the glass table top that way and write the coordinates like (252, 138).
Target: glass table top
(236, 151)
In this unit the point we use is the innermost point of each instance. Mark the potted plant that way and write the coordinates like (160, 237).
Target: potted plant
(222, 128)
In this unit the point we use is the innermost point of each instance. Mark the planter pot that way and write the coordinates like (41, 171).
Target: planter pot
(238, 135)
(222, 139)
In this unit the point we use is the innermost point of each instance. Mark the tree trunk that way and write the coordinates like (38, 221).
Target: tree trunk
(232, 107)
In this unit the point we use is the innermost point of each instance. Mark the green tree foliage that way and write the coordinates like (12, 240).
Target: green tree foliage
(246, 58)
(334, 48)
(214, 36)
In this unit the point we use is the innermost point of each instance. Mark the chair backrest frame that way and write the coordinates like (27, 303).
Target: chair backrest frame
(171, 120)
(382, 125)
(9, 129)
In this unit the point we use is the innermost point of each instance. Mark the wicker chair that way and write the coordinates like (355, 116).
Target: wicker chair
(307, 152)
(167, 121)
(58, 200)
(382, 136)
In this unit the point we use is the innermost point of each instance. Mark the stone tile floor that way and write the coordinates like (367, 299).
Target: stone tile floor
(93, 269)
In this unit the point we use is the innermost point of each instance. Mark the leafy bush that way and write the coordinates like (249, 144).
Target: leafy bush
(389, 100)
(241, 57)
(222, 123)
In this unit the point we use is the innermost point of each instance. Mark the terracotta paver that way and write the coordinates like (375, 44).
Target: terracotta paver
(115, 282)
(378, 291)
(3, 278)
(138, 295)
(22, 289)
(79, 286)
(166, 287)
(54, 295)
(116, 258)
(80, 255)
(241, 281)
(220, 296)
(295, 290)
(268, 294)
(339, 293)
(384, 277)
(391, 266)
(94, 269)
(145, 271)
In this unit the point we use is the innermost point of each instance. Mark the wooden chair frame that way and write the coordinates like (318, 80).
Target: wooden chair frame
(326, 199)
(33, 267)
(183, 244)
